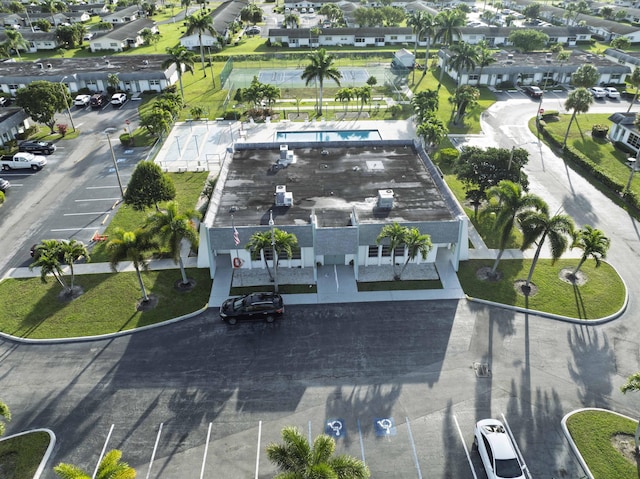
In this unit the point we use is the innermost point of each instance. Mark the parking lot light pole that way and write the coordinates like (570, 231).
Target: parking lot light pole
(113, 156)
(273, 249)
(633, 163)
(66, 101)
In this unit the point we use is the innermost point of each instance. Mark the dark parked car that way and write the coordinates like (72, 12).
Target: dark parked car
(42, 147)
(98, 100)
(252, 307)
(533, 91)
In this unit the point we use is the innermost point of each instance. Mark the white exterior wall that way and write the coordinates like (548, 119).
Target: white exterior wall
(365, 260)
(192, 41)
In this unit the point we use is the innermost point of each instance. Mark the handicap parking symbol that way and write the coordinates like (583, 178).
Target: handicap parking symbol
(335, 428)
(384, 426)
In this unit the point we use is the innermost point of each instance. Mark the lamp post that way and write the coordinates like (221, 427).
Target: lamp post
(633, 162)
(66, 100)
(273, 249)
(113, 156)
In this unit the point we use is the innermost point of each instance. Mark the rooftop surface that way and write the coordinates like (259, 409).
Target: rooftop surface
(334, 184)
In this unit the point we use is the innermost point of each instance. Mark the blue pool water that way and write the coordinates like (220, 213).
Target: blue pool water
(342, 135)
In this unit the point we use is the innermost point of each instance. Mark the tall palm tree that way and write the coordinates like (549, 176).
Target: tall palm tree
(201, 23)
(15, 41)
(321, 67)
(593, 243)
(417, 244)
(72, 251)
(448, 23)
(579, 101)
(47, 257)
(285, 243)
(172, 228)
(132, 246)
(506, 200)
(183, 60)
(562, 57)
(395, 234)
(344, 95)
(416, 20)
(429, 25)
(260, 241)
(424, 104)
(110, 467)
(291, 20)
(537, 225)
(484, 57)
(432, 130)
(464, 58)
(51, 6)
(297, 459)
(634, 79)
(585, 76)
(5, 415)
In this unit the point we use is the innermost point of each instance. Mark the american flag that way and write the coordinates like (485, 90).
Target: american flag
(236, 236)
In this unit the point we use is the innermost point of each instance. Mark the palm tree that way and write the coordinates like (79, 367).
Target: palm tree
(506, 200)
(579, 101)
(51, 6)
(562, 57)
(172, 228)
(297, 459)
(201, 23)
(15, 41)
(72, 251)
(593, 243)
(448, 23)
(417, 244)
(634, 79)
(47, 257)
(321, 67)
(465, 57)
(113, 80)
(633, 384)
(428, 30)
(585, 76)
(110, 467)
(432, 130)
(416, 21)
(537, 225)
(344, 95)
(285, 243)
(185, 4)
(395, 234)
(291, 20)
(132, 246)
(183, 60)
(465, 97)
(260, 241)
(5, 414)
(484, 57)
(424, 104)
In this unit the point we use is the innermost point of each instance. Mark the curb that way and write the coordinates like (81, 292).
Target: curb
(47, 453)
(572, 444)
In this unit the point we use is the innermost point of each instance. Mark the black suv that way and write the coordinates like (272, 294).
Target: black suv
(252, 307)
(42, 147)
(98, 100)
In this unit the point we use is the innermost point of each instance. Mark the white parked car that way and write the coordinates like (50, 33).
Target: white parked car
(82, 100)
(496, 450)
(612, 92)
(598, 92)
(119, 99)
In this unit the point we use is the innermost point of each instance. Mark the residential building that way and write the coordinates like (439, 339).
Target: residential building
(13, 121)
(124, 37)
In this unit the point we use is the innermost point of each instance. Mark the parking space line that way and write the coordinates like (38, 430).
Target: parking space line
(155, 449)
(464, 444)
(75, 229)
(206, 450)
(258, 451)
(413, 446)
(101, 187)
(309, 432)
(515, 444)
(104, 449)
(97, 199)
(361, 442)
(90, 213)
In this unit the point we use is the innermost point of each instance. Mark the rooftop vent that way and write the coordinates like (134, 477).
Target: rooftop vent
(49, 65)
(39, 65)
(510, 58)
(107, 62)
(283, 197)
(385, 199)
(145, 62)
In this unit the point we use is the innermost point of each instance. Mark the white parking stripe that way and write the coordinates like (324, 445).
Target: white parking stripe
(75, 229)
(464, 444)
(361, 442)
(206, 450)
(104, 449)
(89, 213)
(258, 452)
(413, 446)
(155, 449)
(515, 444)
(101, 187)
(97, 199)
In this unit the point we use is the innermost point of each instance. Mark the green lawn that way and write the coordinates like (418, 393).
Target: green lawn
(603, 293)
(592, 431)
(20, 456)
(31, 309)
(189, 185)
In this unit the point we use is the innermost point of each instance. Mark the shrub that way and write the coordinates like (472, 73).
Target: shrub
(62, 129)
(126, 139)
(448, 155)
(2, 197)
(550, 114)
(232, 115)
(599, 131)
(395, 110)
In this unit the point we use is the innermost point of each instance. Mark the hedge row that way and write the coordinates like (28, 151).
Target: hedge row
(594, 170)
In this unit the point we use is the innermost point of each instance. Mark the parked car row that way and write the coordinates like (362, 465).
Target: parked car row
(98, 100)
(605, 92)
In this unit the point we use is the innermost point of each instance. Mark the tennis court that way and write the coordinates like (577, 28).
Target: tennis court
(279, 77)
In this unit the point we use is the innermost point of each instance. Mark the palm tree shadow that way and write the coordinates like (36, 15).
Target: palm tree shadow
(579, 129)
(580, 307)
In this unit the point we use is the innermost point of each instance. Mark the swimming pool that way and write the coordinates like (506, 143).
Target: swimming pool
(339, 135)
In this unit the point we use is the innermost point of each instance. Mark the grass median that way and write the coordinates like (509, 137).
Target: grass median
(32, 309)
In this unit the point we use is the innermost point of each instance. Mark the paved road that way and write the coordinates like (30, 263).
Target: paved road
(412, 362)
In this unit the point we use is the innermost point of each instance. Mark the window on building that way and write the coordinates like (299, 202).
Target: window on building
(154, 82)
(408, 37)
(393, 37)
(634, 140)
(13, 86)
(499, 77)
(328, 39)
(386, 250)
(296, 253)
(359, 39)
(373, 251)
(616, 78)
(571, 39)
(474, 76)
(268, 254)
(379, 39)
(399, 251)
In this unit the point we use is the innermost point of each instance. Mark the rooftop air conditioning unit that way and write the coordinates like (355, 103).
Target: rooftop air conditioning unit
(385, 199)
(283, 197)
(286, 156)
